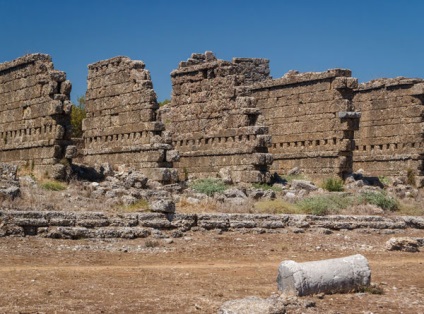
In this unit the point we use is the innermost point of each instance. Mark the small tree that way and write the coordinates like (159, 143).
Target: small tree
(77, 115)
(163, 103)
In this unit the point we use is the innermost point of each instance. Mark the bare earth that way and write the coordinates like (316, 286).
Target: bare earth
(195, 274)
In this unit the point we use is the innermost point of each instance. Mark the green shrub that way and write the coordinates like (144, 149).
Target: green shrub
(384, 180)
(78, 114)
(163, 103)
(209, 186)
(333, 184)
(290, 177)
(53, 186)
(325, 204)
(380, 199)
(371, 289)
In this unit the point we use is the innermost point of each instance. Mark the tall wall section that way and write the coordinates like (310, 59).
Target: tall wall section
(214, 126)
(390, 139)
(34, 114)
(121, 127)
(311, 120)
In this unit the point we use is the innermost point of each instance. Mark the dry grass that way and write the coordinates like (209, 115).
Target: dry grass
(35, 195)
(139, 206)
(277, 206)
(409, 209)
(78, 197)
(210, 205)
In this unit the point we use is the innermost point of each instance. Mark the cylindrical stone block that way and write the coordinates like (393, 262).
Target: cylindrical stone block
(336, 275)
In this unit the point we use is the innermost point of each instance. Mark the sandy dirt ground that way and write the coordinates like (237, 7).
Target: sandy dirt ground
(196, 273)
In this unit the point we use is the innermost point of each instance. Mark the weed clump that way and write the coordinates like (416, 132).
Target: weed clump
(53, 186)
(140, 205)
(324, 204)
(333, 184)
(209, 186)
(380, 199)
(277, 206)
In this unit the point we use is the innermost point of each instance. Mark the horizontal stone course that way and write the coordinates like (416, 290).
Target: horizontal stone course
(75, 225)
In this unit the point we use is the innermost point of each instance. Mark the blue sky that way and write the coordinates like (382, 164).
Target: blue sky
(372, 38)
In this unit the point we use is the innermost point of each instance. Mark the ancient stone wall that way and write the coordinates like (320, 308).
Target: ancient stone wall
(34, 114)
(390, 138)
(121, 126)
(311, 120)
(214, 126)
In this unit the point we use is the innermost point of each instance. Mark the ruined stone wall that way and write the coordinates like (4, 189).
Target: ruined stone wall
(213, 125)
(34, 114)
(311, 120)
(390, 138)
(121, 126)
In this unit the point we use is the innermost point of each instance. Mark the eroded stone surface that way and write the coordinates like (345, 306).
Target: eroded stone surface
(389, 141)
(311, 119)
(35, 114)
(217, 128)
(121, 127)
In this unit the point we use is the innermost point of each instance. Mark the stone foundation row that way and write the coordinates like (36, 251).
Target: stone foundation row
(77, 225)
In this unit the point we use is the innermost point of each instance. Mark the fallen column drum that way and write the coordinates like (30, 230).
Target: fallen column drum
(340, 275)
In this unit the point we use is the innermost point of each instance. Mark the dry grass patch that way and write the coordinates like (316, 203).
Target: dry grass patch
(139, 206)
(277, 206)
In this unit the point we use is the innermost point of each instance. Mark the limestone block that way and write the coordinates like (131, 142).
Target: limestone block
(303, 185)
(65, 87)
(213, 221)
(405, 244)
(337, 275)
(162, 206)
(345, 82)
(417, 89)
(71, 151)
(172, 155)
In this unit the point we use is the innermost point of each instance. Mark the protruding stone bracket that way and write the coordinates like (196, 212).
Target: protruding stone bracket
(349, 115)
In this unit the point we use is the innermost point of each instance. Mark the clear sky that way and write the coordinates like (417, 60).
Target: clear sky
(373, 38)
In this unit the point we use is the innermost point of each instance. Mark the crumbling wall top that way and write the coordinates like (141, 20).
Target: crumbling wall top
(198, 62)
(29, 58)
(294, 77)
(113, 65)
(390, 83)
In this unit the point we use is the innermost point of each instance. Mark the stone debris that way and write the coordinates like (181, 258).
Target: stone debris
(253, 305)
(304, 185)
(9, 182)
(404, 244)
(337, 275)
(275, 304)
